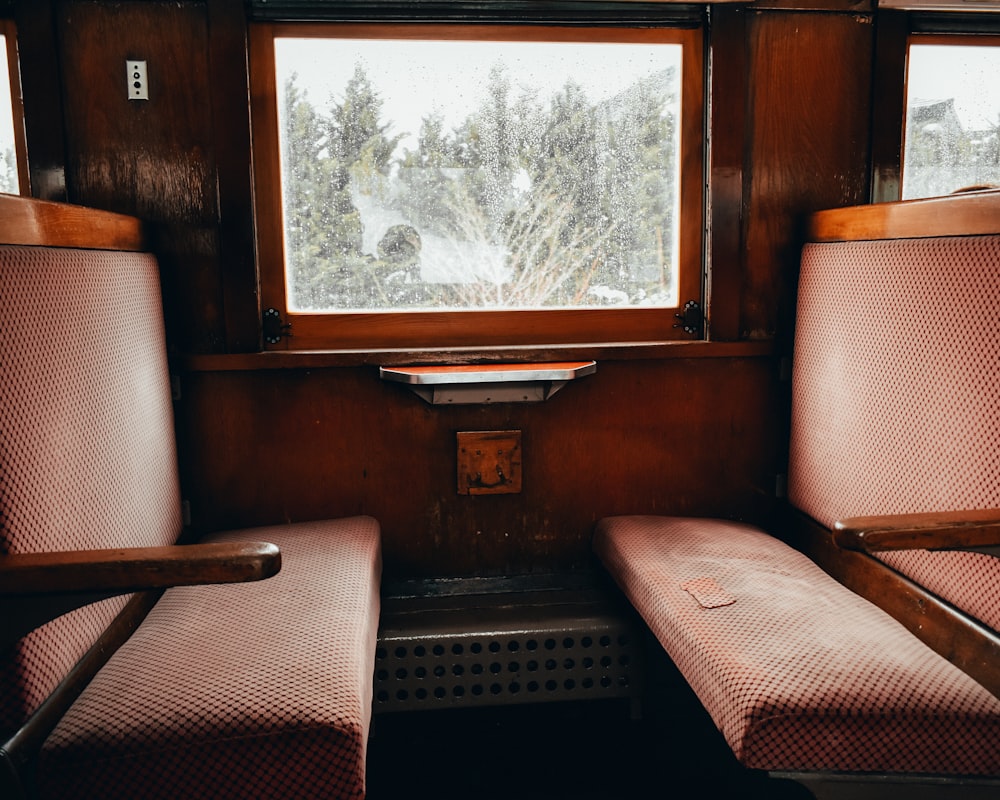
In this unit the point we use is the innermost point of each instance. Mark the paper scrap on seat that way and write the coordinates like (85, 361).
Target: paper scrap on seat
(708, 593)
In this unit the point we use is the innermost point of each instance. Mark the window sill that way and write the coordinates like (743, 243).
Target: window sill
(323, 359)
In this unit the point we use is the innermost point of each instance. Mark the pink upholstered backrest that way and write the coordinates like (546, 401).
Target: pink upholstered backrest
(896, 394)
(87, 455)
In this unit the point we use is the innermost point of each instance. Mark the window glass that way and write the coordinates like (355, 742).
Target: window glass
(473, 175)
(9, 180)
(952, 118)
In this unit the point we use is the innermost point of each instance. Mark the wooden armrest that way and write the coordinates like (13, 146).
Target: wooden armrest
(38, 587)
(952, 530)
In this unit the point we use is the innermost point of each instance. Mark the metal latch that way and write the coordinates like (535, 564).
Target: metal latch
(691, 320)
(273, 326)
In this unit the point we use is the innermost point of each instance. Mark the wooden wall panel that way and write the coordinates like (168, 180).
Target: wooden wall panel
(154, 159)
(677, 436)
(41, 90)
(808, 144)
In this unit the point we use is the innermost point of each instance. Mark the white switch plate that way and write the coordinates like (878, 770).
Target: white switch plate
(138, 82)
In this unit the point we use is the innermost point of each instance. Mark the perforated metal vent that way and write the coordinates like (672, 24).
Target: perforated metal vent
(503, 649)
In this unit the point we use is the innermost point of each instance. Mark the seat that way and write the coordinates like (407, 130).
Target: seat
(134, 663)
(895, 453)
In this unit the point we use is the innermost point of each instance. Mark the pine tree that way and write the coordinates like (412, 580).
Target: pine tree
(424, 184)
(322, 227)
(358, 140)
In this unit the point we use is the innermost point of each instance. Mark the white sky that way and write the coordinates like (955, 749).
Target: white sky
(415, 78)
(969, 74)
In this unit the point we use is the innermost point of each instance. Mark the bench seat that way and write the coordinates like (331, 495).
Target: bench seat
(798, 672)
(251, 674)
(234, 691)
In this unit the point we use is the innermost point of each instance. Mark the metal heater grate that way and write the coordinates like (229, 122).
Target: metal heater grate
(505, 648)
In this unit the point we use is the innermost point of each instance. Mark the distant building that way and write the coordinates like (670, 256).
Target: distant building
(941, 156)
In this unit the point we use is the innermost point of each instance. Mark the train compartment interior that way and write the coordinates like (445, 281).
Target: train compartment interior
(697, 490)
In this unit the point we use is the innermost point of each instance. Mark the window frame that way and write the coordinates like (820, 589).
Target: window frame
(9, 32)
(417, 329)
(895, 30)
(933, 38)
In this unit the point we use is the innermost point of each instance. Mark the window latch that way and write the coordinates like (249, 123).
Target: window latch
(274, 327)
(691, 318)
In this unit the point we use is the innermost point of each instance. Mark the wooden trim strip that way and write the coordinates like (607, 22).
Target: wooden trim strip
(931, 531)
(967, 214)
(138, 568)
(9, 32)
(320, 359)
(24, 221)
(38, 587)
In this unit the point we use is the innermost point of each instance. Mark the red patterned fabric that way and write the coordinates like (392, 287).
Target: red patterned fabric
(896, 394)
(86, 444)
(258, 690)
(799, 673)
(253, 690)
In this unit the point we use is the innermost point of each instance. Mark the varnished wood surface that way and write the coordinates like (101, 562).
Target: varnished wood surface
(323, 359)
(9, 31)
(727, 172)
(157, 159)
(807, 128)
(133, 569)
(227, 58)
(24, 221)
(967, 214)
(889, 104)
(683, 436)
(41, 90)
(931, 531)
(965, 642)
(38, 587)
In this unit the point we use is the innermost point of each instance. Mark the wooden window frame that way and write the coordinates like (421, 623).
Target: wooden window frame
(9, 31)
(895, 32)
(927, 38)
(482, 329)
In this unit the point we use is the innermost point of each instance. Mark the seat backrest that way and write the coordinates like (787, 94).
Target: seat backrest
(896, 394)
(87, 448)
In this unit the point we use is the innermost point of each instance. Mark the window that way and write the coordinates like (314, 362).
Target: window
(446, 185)
(12, 172)
(952, 115)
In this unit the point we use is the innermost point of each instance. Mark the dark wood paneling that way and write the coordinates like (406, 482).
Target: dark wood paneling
(889, 110)
(809, 114)
(41, 88)
(154, 159)
(679, 436)
(727, 177)
(227, 30)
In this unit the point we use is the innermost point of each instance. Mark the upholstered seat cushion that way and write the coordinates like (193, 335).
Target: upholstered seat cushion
(239, 691)
(892, 412)
(798, 672)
